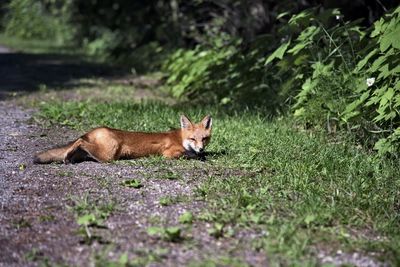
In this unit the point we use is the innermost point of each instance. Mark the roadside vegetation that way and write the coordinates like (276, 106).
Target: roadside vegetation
(306, 122)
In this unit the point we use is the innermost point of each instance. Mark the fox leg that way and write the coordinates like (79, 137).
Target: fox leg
(82, 149)
(172, 154)
(75, 153)
(99, 153)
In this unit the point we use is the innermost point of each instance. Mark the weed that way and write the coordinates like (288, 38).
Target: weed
(21, 223)
(134, 183)
(170, 200)
(47, 218)
(168, 174)
(186, 218)
(220, 261)
(90, 214)
(65, 173)
(165, 201)
(171, 233)
(217, 230)
(38, 257)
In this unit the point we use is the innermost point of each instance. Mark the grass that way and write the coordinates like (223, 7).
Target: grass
(37, 46)
(302, 190)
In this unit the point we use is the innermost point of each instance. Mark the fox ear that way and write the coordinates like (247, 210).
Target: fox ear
(207, 122)
(185, 122)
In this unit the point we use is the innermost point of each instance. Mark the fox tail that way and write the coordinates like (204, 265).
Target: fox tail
(52, 155)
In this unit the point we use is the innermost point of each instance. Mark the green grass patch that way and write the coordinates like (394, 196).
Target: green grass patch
(299, 188)
(133, 183)
(37, 46)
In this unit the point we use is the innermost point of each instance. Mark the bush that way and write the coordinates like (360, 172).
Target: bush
(30, 19)
(379, 87)
(225, 74)
(347, 77)
(190, 70)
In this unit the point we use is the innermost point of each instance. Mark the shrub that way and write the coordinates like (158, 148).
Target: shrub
(224, 74)
(379, 88)
(346, 76)
(30, 19)
(190, 70)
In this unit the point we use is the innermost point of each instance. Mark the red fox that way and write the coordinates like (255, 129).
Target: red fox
(105, 144)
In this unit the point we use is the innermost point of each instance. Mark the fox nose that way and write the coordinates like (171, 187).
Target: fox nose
(201, 149)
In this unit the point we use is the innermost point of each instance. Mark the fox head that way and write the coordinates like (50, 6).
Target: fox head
(195, 136)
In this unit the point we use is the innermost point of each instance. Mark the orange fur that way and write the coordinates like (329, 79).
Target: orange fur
(105, 144)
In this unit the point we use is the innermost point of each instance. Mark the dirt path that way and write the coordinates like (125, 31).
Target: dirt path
(4, 49)
(25, 73)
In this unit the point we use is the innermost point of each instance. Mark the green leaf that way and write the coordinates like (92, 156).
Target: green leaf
(123, 259)
(86, 219)
(384, 72)
(256, 217)
(349, 115)
(186, 218)
(390, 39)
(308, 34)
(384, 146)
(217, 231)
(362, 63)
(387, 97)
(173, 233)
(278, 53)
(355, 104)
(299, 112)
(377, 63)
(153, 230)
(281, 15)
(378, 27)
(134, 183)
(298, 18)
(309, 218)
(307, 87)
(297, 48)
(321, 69)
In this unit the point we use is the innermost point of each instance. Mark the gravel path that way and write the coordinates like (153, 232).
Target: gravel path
(4, 49)
(23, 73)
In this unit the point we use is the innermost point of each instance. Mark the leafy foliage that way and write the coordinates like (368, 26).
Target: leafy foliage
(29, 19)
(318, 63)
(191, 70)
(347, 77)
(134, 183)
(379, 94)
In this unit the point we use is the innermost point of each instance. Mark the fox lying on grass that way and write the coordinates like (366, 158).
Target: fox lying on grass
(105, 144)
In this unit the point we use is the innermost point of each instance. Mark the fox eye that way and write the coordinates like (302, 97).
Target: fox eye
(192, 139)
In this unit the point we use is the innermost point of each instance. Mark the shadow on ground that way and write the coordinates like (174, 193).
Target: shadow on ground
(23, 73)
